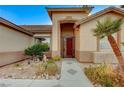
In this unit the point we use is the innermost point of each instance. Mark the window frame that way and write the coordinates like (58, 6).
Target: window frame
(118, 40)
(43, 36)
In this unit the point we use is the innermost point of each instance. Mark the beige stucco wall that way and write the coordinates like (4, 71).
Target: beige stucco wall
(12, 45)
(56, 19)
(12, 40)
(77, 43)
(88, 42)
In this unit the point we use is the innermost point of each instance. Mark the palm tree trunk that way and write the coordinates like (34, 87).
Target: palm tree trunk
(116, 50)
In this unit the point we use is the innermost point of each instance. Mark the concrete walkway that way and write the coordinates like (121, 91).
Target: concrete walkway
(71, 76)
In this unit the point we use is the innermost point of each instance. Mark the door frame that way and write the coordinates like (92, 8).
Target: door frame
(63, 38)
(65, 47)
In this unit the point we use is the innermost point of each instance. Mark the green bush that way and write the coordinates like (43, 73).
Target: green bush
(45, 47)
(36, 50)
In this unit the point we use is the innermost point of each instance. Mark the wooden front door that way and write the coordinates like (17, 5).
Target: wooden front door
(69, 47)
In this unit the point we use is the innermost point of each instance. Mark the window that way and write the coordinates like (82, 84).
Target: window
(43, 39)
(104, 44)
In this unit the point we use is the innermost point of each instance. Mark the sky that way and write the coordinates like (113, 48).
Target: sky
(33, 14)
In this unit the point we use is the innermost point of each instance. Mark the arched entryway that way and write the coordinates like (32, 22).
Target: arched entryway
(67, 40)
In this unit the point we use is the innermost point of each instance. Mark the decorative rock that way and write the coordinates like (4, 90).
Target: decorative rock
(19, 68)
(10, 76)
(39, 77)
(3, 74)
(44, 58)
(24, 77)
(25, 71)
(33, 77)
(57, 76)
(53, 77)
(47, 76)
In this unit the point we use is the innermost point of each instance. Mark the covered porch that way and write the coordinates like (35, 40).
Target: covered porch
(67, 40)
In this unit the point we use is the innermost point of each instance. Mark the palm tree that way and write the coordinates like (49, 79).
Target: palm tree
(106, 29)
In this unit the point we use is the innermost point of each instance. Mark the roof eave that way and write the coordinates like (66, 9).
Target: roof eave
(14, 26)
(97, 15)
(86, 10)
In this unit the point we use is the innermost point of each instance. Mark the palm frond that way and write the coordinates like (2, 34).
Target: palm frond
(107, 27)
(116, 25)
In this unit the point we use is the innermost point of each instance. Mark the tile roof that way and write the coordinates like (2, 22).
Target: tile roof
(69, 9)
(91, 17)
(38, 28)
(14, 26)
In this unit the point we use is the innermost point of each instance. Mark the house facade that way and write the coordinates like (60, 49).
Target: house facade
(69, 36)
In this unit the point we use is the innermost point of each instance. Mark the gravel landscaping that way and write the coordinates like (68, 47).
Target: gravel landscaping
(24, 70)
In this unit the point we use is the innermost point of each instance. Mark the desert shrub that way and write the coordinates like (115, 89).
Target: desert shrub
(50, 61)
(105, 75)
(56, 58)
(48, 67)
(40, 69)
(52, 68)
(122, 43)
(36, 50)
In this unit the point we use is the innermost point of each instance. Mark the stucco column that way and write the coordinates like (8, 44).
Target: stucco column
(33, 41)
(55, 39)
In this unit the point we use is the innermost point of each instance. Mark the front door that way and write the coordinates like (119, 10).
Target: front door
(69, 47)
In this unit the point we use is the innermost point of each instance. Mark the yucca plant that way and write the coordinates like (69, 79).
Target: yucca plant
(106, 29)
